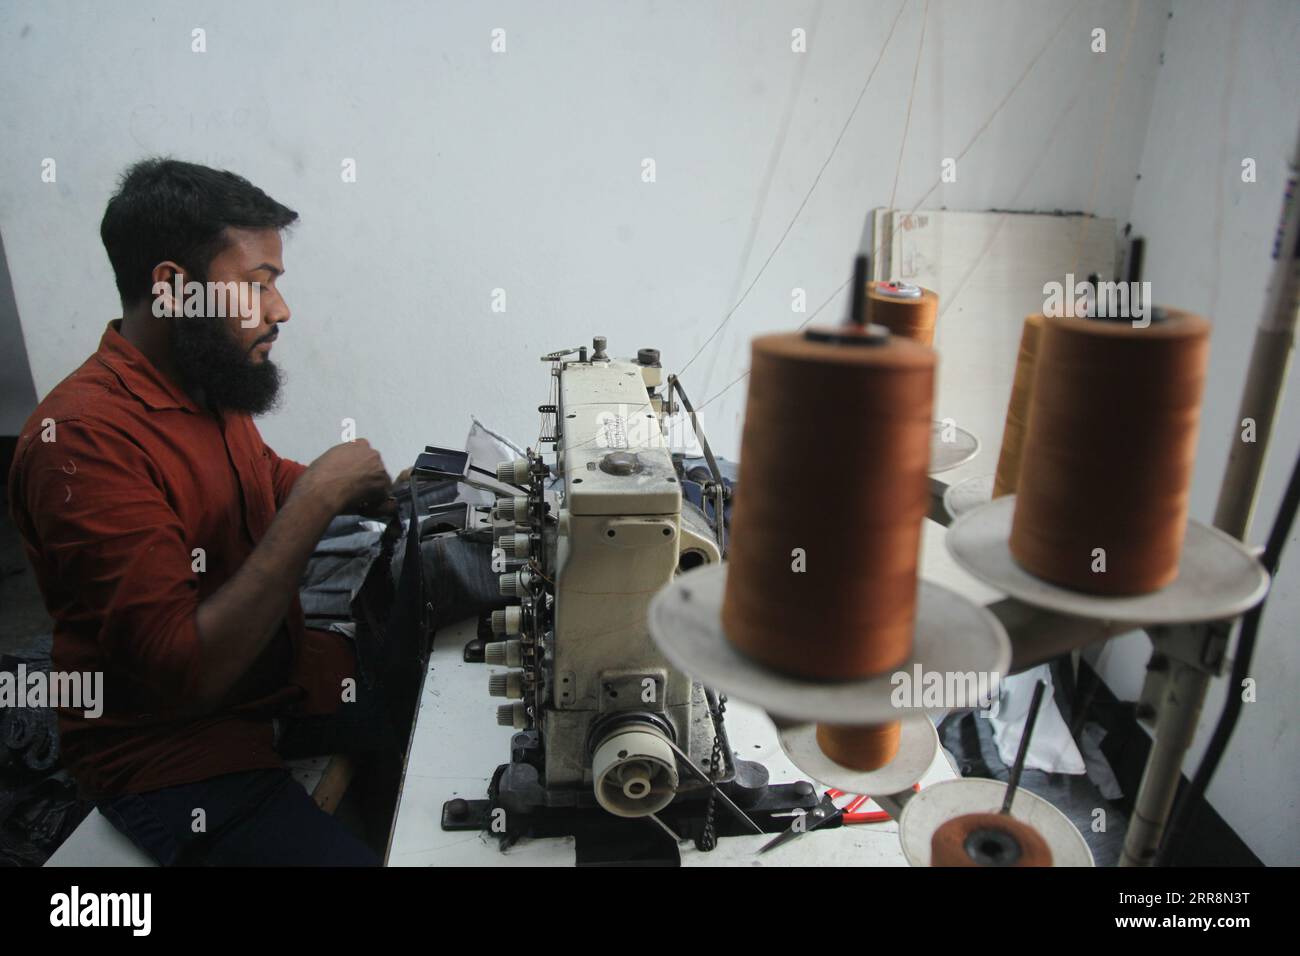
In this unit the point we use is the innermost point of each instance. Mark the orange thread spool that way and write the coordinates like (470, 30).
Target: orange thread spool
(910, 318)
(1109, 452)
(1013, 435)
(847, 611)
(868, 747)
(988, 839)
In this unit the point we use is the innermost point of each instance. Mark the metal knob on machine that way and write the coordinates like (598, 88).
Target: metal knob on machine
(509, 684)
(516, 545)
(504, 654)
(512, 508)
(512, 715)
(509, 620)
(516, 583)
(515, 472)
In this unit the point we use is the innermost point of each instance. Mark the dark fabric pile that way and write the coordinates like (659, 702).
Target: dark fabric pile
(38, 801)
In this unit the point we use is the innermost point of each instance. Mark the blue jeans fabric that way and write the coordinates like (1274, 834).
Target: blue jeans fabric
(253, 818)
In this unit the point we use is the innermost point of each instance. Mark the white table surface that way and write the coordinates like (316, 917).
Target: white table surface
(456, 745)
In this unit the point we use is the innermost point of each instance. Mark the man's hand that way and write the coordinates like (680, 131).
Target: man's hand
(350, 478)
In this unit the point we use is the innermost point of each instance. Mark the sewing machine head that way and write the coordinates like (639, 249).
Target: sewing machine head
(601, 715)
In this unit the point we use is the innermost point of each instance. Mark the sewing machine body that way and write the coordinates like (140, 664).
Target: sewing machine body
(619, 539)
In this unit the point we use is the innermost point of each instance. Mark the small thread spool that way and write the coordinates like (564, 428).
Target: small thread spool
(868, 747)
(988, 839)
(1108, 455)
(1022, 387)
(831, 598)
(906, 310)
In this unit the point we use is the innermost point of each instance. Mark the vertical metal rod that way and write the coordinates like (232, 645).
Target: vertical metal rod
(858, 303)
(1136, 247)
(1013, 783)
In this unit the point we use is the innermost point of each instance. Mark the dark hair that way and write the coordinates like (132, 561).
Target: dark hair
(166, 209)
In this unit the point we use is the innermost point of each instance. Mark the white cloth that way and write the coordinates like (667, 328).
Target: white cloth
(1051, 749)
(487, 449)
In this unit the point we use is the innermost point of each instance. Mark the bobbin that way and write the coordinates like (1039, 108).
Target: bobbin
(907, 310)
(951, 634)
(937, 803)
(918, 745)
(1218, 577)
(988, 840)
(898, 290)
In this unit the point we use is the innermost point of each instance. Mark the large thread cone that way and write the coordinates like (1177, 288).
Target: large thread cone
(827, 521)
(913, 319)
(1102, 499)
(1022, 387)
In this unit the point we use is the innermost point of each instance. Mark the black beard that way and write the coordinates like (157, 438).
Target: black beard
(211, 362)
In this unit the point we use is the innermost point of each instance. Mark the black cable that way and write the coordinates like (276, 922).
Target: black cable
(1188, 803)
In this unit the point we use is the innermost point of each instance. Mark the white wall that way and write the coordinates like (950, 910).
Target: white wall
(1209, 240)
(522, 171)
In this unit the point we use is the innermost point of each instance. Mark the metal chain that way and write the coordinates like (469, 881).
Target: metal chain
(708, 839)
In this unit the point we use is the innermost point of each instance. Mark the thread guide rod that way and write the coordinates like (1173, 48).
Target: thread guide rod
(1014, 782)
(858, 304)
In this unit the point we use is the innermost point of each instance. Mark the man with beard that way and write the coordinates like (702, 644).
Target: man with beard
(169, 540)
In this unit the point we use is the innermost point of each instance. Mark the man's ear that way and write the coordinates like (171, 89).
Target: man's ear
(167, 278)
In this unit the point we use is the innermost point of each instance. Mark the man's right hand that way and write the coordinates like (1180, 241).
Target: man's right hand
(350, 478)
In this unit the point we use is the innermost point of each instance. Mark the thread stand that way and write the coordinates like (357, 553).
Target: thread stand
(1218, 578)
(952, 635)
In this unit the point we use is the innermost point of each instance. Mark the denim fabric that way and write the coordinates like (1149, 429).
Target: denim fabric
(254, 818)
(343, 557)
(459, 575)
(335, 573)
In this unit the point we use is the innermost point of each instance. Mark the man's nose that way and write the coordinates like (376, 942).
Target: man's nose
(277, 310)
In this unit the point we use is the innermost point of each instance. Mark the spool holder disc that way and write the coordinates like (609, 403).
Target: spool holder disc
(1218, 578)
(938, 803)
(918, 744)
(947, 455)
(968, 495)
(952, 635)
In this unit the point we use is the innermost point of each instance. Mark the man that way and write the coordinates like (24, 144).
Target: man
(169, 540)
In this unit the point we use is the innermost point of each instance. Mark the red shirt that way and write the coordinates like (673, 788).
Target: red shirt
(118, 480)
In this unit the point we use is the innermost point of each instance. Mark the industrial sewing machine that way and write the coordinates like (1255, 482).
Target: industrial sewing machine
(606, 728)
